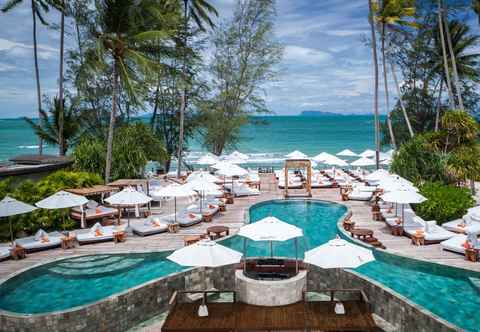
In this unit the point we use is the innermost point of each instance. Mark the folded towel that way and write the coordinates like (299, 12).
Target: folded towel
(45, 239)
(191, 216)
(98, 232)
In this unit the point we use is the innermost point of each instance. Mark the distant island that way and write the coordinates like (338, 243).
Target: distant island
(320, 113)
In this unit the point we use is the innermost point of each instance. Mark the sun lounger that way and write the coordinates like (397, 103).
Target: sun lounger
(432, 232)
(357, 195)
(40, 241)
(185, 218)
(455, 244)
(206, 209)
(93, 212)
(4, 253)
(151, 225)
(321, 184)
(465, 225)
(240, 190)
(97, 233)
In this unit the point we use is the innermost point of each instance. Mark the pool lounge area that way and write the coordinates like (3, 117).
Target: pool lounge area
(79, 281)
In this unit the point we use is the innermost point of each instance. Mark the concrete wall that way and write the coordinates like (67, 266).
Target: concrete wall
(122, 311)
(398, 311)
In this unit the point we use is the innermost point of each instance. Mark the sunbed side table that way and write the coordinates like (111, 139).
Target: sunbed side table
(119, 237)
(397, 230)
(173, 228)
(18, 252)
(418, 239)
(471, 254)
(68, 242)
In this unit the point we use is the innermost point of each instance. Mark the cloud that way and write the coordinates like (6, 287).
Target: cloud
(305, 55)
(45, 52)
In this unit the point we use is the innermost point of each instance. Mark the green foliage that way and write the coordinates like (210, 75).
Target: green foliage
(444, 202)
(415, 161)
(134, 145)
(32, 192)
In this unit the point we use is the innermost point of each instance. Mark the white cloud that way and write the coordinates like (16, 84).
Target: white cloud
(21, 49)
(6, 67)
(304, 55)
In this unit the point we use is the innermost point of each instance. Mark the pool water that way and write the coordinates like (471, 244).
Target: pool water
(64, 284)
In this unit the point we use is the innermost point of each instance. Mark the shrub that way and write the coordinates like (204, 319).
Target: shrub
(32, 192)
(416, 161)
(444, 202)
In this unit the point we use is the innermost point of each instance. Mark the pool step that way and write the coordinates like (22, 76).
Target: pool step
(475, 282)
(96, 271)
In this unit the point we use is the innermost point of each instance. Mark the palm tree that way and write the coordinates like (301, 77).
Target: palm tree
(48, 126)
(375, 70)
(476, 8)
(60, 80)
(393, 13)
(39, 8)
(199, 11)
(119, 45)
(444, 56)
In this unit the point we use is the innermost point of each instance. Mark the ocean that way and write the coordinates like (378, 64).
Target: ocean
(265, 143)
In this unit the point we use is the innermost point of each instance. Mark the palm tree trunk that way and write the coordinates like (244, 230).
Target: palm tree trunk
(400, 99)
(375, 100)
(445, 60)
(387, 96)
(454, 62)
(439, 105)
(183, 101)
(37, 73)
(108, 165)
(61, 143)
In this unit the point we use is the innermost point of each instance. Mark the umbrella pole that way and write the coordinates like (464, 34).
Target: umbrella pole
(271, 249)
(175, 202)
(244, 255)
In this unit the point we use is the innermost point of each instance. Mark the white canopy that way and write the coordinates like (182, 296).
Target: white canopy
(128, 197)
(338, 253)
(207, 159)
(367, 153)
(334, 161)
(386, 162)
(175, 190)
(234, 160)
(221, 164)
(10, 207)
(377, 175)
(296, 155)
(62, 200)
(204, 176)
(203, 186)
(403, 197)
(205, 253)
(322, 156)
(364, 161)
(232, 170)
(270, 229)
(393, 183)
(347, 153)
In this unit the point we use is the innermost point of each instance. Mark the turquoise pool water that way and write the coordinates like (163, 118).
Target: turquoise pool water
(60, 285)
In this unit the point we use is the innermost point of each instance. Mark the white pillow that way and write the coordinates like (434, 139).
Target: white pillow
(91, 204)
(431, 226)
(192, 207)
(39, 234)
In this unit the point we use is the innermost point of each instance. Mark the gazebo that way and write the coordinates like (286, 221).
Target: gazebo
(299, 164)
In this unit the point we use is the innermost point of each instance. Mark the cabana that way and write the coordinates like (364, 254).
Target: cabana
(297, 164)
(136, 183)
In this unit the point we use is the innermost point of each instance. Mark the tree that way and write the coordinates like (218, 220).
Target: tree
(61, 152)
(49, 124)
(375, 73)
(245, 55)
(200, 11)
(392, 13)
(39, 8)
(122, 39)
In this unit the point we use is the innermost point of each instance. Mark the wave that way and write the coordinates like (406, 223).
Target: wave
(27, 146)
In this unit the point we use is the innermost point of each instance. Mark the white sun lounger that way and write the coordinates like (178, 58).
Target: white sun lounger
(465, 225)
(356, 195)
(35, 243)
(455, 244)
(432, 232)
(4, 253)
(151, 225)
(207, 208)
(185, 218)
(91, 237)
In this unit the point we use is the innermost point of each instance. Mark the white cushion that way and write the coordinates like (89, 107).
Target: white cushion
(95, 227)
(91, 204)
(39, 234)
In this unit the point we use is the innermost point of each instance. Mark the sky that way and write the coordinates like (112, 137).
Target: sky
(326, 64)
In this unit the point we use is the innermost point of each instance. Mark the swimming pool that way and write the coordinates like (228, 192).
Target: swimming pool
(77, 281)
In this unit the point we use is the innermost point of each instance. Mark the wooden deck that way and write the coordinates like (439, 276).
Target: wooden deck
(233, 218)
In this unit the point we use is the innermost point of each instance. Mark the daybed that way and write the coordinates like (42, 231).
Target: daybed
(97, 233)
(151, 225)
(40, 241)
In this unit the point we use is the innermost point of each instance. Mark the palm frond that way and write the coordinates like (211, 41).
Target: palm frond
(10, 4)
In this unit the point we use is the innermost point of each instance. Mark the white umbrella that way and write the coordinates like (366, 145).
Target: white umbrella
(205, 253)
(234, 160)
(11, 207)
(204, 176)
(270, 229)
(377, 175)
(221, 164)
(175, 190)
(204, 188)
(62, 200)
(129, 197)
(403, 197)
(386, 162)
(335, 161)
(367, 153)
(347, 153)
(363, 162)
(232, 170)
(296, 155)
(208, 159)
(338, 253)
(322, 156)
